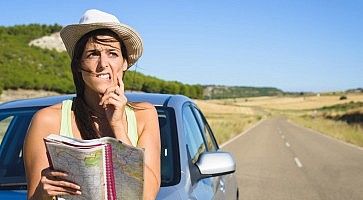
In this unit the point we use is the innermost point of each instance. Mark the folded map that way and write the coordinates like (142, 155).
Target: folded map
(105, 168)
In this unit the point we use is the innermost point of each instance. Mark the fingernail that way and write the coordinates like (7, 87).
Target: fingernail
(79, 192)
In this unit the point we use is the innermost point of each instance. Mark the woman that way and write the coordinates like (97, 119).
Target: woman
(101, 49)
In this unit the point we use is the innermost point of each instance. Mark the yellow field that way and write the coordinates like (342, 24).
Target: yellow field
(229, 117)
(227, 121)
(214, 107)
(340, 130)
(291, 103)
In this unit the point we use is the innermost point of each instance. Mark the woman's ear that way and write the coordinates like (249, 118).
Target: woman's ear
(125, 65)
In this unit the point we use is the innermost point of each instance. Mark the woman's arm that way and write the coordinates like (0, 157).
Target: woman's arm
(43, 183)
(149, 139)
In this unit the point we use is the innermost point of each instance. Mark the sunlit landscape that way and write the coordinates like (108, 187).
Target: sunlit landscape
(337, 115)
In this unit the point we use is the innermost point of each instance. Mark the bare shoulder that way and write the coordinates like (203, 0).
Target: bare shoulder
(48, 119)
(146, 115)
(143, 107)
(48, 114)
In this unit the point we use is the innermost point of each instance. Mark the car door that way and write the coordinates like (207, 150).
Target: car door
(219, 182)
(197, 142)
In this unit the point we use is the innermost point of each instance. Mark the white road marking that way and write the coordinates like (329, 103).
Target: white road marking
(298, 163)
(287, 144)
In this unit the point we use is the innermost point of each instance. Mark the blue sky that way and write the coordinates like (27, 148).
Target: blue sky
(306, 45)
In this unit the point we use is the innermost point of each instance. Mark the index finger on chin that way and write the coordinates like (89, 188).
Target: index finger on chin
(122, 87)
(120, 83)
(115, 76)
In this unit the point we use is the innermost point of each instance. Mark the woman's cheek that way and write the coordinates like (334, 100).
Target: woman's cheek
(94, 84)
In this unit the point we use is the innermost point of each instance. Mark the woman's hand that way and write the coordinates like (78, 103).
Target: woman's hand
(52, 183)
(114, 102)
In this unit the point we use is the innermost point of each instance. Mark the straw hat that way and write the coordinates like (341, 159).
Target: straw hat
(94, 19)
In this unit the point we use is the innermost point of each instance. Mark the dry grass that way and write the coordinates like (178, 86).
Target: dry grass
(229, 117)
(291, 103)
(227, 121)
(340, 130)
(306, 115)
(210, 106)
(226, 126)
(10, 95)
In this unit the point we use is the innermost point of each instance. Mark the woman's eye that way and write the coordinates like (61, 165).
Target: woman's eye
(92, 55)
(113, 54)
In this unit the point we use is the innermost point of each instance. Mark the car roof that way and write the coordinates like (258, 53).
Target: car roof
(153, 98)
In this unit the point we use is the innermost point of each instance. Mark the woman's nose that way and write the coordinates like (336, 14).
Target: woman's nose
(103, 61)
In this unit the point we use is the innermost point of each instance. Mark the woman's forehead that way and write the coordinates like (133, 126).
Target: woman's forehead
(104, 37)
(102, 41)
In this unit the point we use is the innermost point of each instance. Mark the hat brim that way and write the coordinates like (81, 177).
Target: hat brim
(72, 33)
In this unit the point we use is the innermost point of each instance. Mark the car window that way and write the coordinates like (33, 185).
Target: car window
(13, 127)
(207, 132)
(4, 124)
(193, 134)
(170, 166)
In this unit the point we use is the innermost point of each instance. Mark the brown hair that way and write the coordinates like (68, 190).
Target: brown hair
(81, 110)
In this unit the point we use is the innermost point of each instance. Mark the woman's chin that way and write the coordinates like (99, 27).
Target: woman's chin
(102, 90)
(99, 89)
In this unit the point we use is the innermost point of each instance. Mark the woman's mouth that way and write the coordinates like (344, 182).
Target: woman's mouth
(105, 76)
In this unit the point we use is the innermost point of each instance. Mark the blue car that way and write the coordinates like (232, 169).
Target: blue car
(192, 166)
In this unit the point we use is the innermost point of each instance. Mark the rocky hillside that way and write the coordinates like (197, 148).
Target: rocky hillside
(52, 41)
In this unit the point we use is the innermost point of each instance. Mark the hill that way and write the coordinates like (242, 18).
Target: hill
(25, 65)
(33, 57)
(221, 92)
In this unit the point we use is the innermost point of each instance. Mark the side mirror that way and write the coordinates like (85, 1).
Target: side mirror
(215, 164)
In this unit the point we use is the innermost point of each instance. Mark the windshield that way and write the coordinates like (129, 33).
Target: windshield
(13, 127)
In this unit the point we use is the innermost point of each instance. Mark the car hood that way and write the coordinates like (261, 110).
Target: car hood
(12, 194)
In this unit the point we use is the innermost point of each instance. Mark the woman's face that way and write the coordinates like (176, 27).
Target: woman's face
(102, 64)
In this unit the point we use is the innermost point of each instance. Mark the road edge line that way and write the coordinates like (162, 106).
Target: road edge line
(298, 162)
(324, 135)
(243, 133)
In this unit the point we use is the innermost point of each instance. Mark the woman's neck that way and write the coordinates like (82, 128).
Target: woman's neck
(92, 100)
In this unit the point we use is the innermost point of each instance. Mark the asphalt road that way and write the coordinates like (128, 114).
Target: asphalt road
(279, 160)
